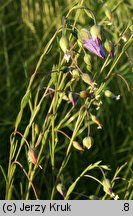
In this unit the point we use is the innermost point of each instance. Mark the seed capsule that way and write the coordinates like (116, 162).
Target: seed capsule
(88, 142)
(84, 94)
(96, 121)
(32, 157)
(77, 146)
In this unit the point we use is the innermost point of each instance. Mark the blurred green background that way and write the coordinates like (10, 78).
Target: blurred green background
(25, 28)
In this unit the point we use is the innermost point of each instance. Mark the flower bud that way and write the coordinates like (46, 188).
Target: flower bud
(95, 31)
(107, 186)
(96, 121)
(63, 44)
(60, 189)
(72, 98)
(75, 74)
(87, 60)
(84, 94)
(77, 146)
(86, 78)
(63, 96)
(88, 142)
(83, 34)
(109, 47)
(108, 13)
(108, 93)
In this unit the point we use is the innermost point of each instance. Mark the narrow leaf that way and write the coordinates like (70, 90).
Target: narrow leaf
(3, 172)
(73, 185)
(25, 99)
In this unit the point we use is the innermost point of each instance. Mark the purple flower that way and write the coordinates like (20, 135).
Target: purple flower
(93, 46)
(110, 191)
(72, 98)
(112, 53)
(67, 56)
(51, 93)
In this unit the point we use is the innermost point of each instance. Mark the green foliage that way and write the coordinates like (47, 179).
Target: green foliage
(46, 108)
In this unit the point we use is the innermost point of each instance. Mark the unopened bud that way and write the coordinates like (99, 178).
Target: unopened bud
(63, 44)
(72, 98)
(75, 74)
(87, 60)
(77, 146)
(109, 47)
(86, 78)
(60, 189)
(83, 34)
(63, 96)
(95, 31)
(96, 121)
(88, 142)
(108, 93)
(107, 186)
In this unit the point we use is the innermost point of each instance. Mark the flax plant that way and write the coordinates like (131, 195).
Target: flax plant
(64, 105)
